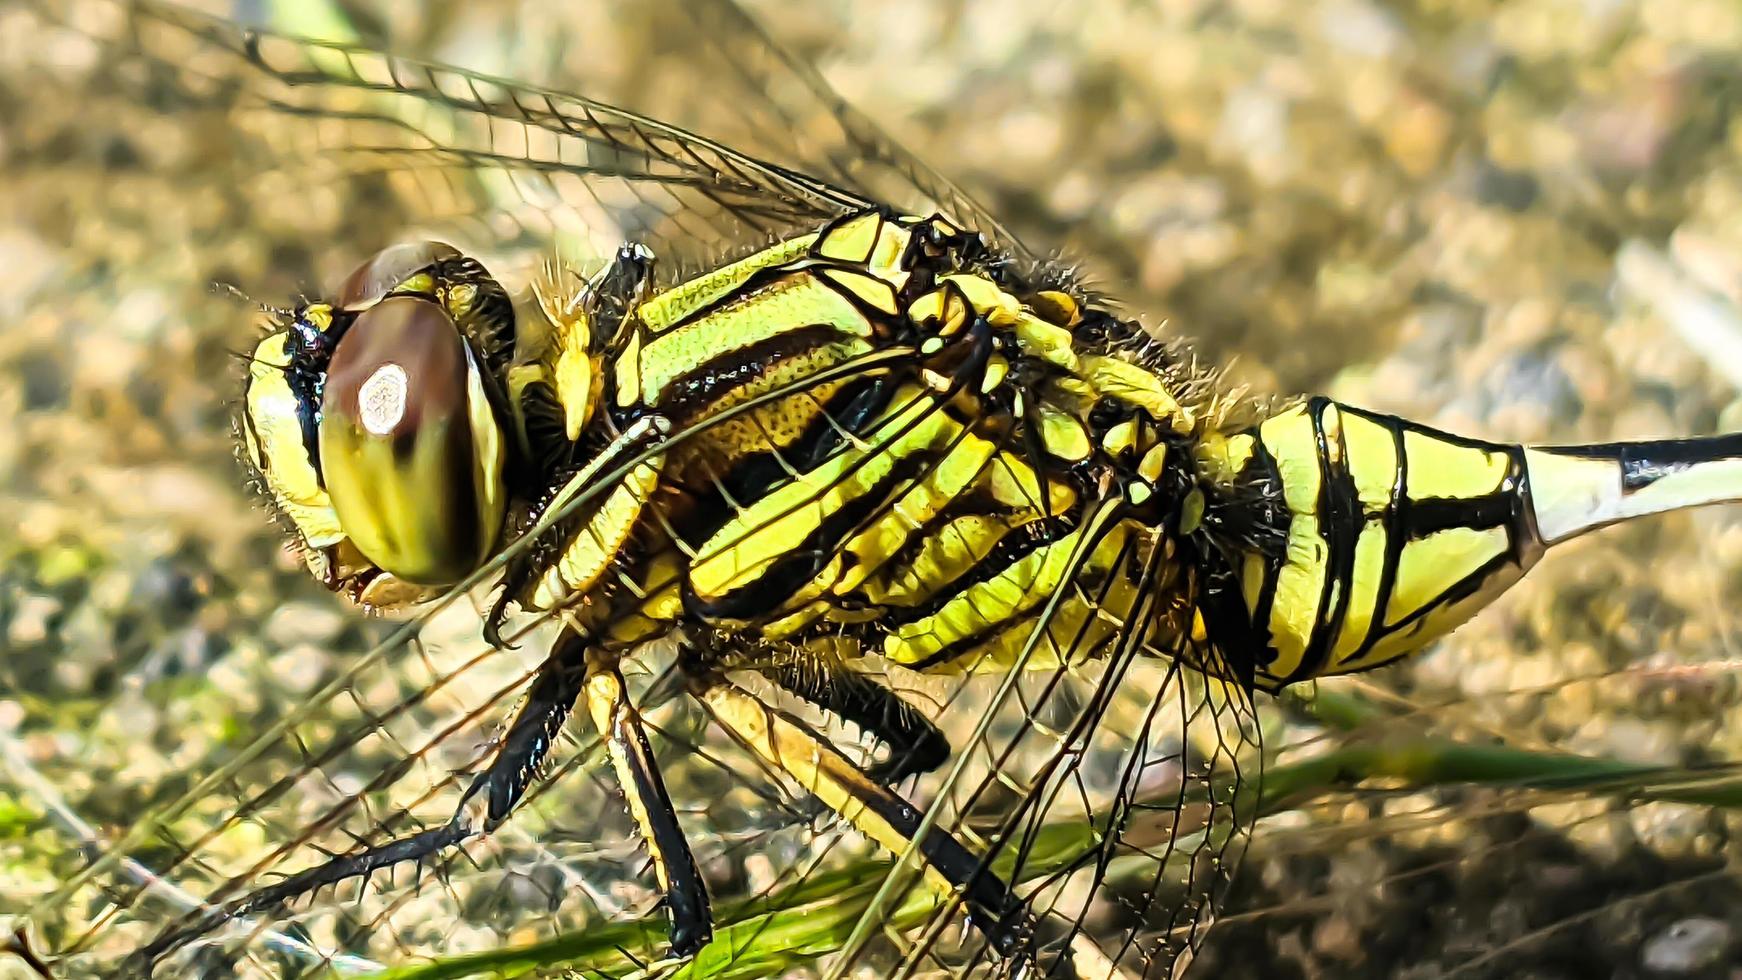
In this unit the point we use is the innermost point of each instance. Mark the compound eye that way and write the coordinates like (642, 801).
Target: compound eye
(387, 270)
(409, 444)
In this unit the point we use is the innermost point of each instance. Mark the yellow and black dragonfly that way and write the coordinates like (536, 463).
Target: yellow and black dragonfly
(847, 524)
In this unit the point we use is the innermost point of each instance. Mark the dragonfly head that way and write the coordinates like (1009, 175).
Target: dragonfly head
(368, 424)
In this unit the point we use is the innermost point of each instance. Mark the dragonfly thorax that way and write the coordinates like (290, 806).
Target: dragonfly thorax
(867, 432)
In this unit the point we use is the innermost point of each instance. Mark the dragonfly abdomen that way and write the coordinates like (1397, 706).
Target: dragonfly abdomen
(1581, 488)
(1396, 534)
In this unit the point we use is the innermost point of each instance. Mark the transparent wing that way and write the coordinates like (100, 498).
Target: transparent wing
(1114, 790)
(509, 167)
(494, 162)
(798, 117)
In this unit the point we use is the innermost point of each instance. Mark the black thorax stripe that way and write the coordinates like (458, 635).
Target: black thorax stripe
(781, 578)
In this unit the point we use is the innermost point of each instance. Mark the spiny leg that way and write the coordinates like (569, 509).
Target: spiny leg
(632, 756)
(618, 288)
(915, 744)
(533, 732)
(523, 749)
(796, 749)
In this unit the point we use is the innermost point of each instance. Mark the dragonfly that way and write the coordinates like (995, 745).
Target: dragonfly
(1309, 582)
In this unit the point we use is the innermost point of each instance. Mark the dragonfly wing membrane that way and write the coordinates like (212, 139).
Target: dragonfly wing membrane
(495, 162)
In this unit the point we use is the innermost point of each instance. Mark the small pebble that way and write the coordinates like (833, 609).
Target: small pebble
(1688, 946)
(304, 622)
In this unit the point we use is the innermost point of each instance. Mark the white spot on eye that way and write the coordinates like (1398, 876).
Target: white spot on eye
(381, 399)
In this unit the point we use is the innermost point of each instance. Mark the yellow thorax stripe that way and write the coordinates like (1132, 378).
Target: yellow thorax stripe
(1024, 585)
(779, 522)
(686, 326)
(682, 301)
(795, 301)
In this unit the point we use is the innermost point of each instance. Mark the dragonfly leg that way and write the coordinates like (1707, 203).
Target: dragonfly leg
(915, 744)
(790, 746)
(529, 738)
(619, 724)
(533, 732)
(613, 293)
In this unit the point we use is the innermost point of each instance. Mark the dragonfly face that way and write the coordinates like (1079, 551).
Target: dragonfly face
(369, 423)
